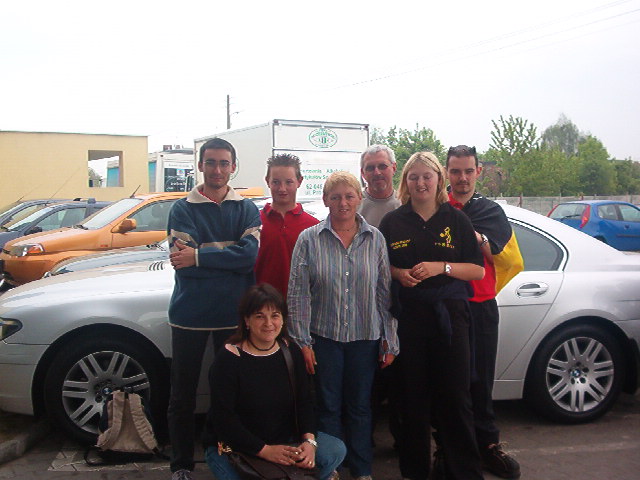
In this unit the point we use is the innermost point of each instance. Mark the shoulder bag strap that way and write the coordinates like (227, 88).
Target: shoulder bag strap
(292, 379)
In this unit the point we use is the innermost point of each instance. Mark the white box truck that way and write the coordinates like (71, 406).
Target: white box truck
(171, 170)
(323, 147)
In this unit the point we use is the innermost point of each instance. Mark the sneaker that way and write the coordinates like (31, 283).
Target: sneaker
(181, 475)
(437, 467)
(334, 475)
(498, 462)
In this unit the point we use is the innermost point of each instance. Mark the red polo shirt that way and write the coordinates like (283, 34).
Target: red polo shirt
(484, 289)
(277, 239)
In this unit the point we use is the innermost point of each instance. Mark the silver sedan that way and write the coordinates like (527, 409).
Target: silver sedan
(569, 332)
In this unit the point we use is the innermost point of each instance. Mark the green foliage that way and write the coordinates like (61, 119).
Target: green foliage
(597, 174)
(628, 177)
(405, 143)
(513, 137)
(564, 136)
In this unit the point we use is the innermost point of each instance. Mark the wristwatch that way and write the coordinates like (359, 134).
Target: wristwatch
(447, 268)
(311, 441)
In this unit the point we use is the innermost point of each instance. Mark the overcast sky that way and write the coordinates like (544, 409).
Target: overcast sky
(164, 69)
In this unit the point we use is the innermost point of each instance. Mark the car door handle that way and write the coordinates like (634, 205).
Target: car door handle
(532, 289)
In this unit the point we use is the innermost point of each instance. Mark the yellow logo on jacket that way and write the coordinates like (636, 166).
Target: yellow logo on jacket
(446, 234)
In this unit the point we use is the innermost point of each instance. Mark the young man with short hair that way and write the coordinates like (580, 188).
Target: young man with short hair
(282, 221)
(493, 232)
(214, 235)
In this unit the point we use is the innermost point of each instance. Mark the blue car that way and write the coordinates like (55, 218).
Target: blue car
(612, 222)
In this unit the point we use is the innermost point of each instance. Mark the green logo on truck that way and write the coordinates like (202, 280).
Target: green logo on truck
(323, 138)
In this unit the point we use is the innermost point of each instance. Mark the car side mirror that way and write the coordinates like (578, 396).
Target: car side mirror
(35, 229)
(125, 226)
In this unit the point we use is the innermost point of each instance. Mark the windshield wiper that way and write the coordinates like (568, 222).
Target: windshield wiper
(79, 225)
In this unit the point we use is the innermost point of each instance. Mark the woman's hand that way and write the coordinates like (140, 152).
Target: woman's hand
(309, 359)
(403, 275)
(282, 454)
(307, 456)
(386, 358)
(424, 270)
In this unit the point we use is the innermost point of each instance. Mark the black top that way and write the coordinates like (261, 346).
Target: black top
(447, 236)
(252, 402)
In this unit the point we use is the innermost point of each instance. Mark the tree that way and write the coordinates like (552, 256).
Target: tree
(564, 136)
(628, 177)
(597, 174)
(95, 180)
(514, 136)
(404, 143)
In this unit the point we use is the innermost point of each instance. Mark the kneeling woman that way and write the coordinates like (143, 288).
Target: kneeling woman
(253, 409)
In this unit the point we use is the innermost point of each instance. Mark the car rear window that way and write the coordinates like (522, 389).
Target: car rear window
(110, 213)
(568, 210)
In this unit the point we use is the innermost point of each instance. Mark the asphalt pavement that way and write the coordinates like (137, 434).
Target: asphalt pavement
(606, 449)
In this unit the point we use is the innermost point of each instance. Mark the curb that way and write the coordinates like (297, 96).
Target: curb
(15, 448)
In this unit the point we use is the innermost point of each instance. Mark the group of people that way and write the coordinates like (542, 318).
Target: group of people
(407, 274)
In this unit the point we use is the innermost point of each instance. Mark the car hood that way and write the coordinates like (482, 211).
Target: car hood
(58, 240)
(128, 281)
(113, 257)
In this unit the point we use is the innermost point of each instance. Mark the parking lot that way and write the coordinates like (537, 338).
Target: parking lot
(603, 450)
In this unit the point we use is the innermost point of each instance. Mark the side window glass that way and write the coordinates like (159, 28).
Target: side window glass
(51, 222)
(608, 212)
(538, 252)
(152, 217)
(72, 216)
(629, 213)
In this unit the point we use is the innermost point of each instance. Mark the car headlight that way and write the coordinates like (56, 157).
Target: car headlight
(8, 327)
(28, 249)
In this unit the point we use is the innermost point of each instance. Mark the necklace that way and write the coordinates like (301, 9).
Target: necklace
(262, 349)
(346, 229)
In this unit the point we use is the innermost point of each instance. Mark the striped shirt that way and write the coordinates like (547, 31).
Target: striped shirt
(341, 294)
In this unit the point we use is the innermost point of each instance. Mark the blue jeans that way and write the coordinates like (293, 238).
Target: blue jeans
(329, 456)
(344, 379)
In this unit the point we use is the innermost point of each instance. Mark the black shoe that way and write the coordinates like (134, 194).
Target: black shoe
(437, 468)
(500, 463)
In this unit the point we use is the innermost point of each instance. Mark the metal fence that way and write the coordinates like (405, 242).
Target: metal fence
(543, 205)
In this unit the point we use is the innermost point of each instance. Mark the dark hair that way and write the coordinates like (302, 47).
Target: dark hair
(218, 143)
(284, 160)
(462, 151)
(253, 300)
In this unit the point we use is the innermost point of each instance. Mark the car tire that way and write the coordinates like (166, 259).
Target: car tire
(81, 375)
(576, 374)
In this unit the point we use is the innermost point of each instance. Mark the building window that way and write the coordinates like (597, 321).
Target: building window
(105, 168)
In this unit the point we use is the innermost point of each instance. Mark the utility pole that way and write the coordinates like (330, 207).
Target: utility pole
(228, 113)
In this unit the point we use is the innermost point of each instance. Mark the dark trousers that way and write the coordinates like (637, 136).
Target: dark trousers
(436, 375)
(187, 347)
(485, 333)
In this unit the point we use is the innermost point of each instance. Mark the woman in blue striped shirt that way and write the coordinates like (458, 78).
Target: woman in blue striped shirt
(339, 302)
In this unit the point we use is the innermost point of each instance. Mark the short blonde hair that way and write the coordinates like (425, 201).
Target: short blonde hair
(339, 177)
(429, 160)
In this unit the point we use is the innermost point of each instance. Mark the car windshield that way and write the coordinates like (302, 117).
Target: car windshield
(17, 223)
(110, 213)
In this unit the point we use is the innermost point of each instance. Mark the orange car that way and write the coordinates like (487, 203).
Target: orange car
(137, 220)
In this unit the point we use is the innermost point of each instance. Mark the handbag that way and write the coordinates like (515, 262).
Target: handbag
(250, 467)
